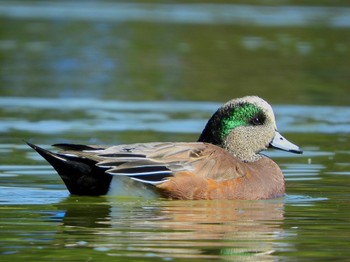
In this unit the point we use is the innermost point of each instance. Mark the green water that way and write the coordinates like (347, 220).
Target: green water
(111, 72)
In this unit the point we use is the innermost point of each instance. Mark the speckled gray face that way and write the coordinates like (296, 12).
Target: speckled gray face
(250, 127)
(244, 127)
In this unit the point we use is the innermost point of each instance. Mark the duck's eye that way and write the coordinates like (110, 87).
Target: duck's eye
(256, 121)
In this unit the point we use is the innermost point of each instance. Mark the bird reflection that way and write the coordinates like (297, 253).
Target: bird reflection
(201, 229)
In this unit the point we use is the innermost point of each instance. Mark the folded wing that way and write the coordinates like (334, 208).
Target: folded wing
(155, 163)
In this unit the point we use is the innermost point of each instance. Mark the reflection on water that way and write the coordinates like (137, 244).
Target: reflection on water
(120, 227)
(165, 229)
(169, 228)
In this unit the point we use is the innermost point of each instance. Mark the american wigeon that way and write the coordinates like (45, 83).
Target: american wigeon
(225, 162)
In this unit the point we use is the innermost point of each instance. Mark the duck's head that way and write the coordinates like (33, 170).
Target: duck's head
(244, 127)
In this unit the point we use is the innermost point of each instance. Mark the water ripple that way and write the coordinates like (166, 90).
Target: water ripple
(167, 116)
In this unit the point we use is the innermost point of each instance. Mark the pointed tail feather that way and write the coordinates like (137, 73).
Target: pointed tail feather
(80, 175)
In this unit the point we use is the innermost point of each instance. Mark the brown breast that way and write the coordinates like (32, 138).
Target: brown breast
(262, 179)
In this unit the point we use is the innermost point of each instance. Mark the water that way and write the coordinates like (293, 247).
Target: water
(101, 78)
(40, 219)
(200, 13)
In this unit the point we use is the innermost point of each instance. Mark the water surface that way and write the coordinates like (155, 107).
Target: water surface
(40, 218)
(112, 73)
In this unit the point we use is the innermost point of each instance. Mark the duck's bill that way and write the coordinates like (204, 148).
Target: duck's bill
(279, 142)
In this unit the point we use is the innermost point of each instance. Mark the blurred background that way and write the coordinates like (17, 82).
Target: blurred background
(288, 52)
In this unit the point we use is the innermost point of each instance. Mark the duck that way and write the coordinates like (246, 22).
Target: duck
(226, 162)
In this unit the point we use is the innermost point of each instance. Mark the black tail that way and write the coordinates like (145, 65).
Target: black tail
(80, 175)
